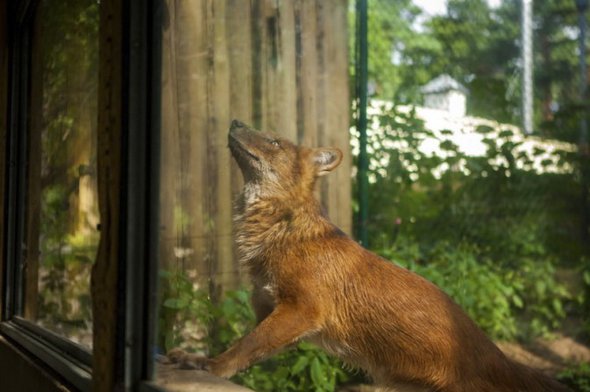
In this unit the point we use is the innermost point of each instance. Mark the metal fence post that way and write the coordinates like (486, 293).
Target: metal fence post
(361, 95)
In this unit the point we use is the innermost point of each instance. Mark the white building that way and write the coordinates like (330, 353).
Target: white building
(532, 153)
(445, 93)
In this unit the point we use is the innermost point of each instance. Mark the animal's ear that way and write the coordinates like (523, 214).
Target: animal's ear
(326, 159)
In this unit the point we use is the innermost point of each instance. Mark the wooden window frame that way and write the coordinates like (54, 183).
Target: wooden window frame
(124, 274)
(68, 359)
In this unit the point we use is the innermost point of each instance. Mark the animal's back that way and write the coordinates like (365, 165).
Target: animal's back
(405, 331)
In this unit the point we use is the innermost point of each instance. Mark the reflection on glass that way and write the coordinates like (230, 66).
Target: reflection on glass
(62, 209)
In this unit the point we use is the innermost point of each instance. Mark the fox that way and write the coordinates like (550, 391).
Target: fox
(311, 281)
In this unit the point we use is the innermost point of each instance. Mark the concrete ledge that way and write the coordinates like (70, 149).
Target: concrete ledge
(172, 379)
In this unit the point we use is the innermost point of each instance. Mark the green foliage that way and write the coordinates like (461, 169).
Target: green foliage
(476, 285)
(302, 368)
(305, 368)
(576, 377)
(506, 303)
(395, 48)
(183, 306)
(489, 230)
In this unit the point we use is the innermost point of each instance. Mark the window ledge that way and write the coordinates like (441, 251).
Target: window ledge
(172, 379)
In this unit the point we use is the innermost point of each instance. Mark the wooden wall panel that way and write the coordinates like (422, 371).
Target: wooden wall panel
(275, 64)
(336, 123)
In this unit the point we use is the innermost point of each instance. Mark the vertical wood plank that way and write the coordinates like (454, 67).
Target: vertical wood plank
(307, 54)
(260, 84)
(192, 213)
(323, 25)
(105, 269)
(219, 119)
(239, 46)
(170, 146)
(337, 99)
(287, 87)
(195, 37)
(219, 108)
(333, 106)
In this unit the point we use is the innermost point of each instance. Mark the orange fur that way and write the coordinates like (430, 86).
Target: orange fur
(313, 282)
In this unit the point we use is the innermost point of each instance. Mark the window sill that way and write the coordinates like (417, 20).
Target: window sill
(19, 372)
(172, 379)
(51, 352)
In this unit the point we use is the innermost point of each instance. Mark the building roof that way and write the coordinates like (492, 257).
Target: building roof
(441, 84)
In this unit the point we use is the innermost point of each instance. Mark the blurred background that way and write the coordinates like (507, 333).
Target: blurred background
(473, 170)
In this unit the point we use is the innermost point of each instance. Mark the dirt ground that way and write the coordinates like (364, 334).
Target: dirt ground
(549, 355)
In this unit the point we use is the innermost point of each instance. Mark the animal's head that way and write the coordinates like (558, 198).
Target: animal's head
(274, 166)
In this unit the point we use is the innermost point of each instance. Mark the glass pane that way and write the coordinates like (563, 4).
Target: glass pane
(477, 182)
(479, 164)
(278, 66)
(62, 210)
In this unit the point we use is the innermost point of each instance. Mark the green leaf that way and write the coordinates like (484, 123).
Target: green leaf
(175, 303)
(282, 373)
(301, 363)
(242, 296)
(557, 306)
(448, 145)
(317, 373)
(517, 301)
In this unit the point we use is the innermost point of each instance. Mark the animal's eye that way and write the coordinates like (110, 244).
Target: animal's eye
(275, 143)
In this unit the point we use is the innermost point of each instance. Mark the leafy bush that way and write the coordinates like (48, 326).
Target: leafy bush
(185, 312)
(507, 304)
(576, 377)
(489, 229)
(305, 368)
(189, 319)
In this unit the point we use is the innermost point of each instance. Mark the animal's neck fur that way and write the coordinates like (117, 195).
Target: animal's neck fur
(265, 223)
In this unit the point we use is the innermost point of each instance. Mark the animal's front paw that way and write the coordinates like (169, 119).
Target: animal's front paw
(187, 360)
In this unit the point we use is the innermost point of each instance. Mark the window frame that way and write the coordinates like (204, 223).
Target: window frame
(70, 360)
(142, 188)
(129, 118)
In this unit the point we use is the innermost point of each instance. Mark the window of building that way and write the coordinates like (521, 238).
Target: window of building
(53, 222)
(61, 212)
